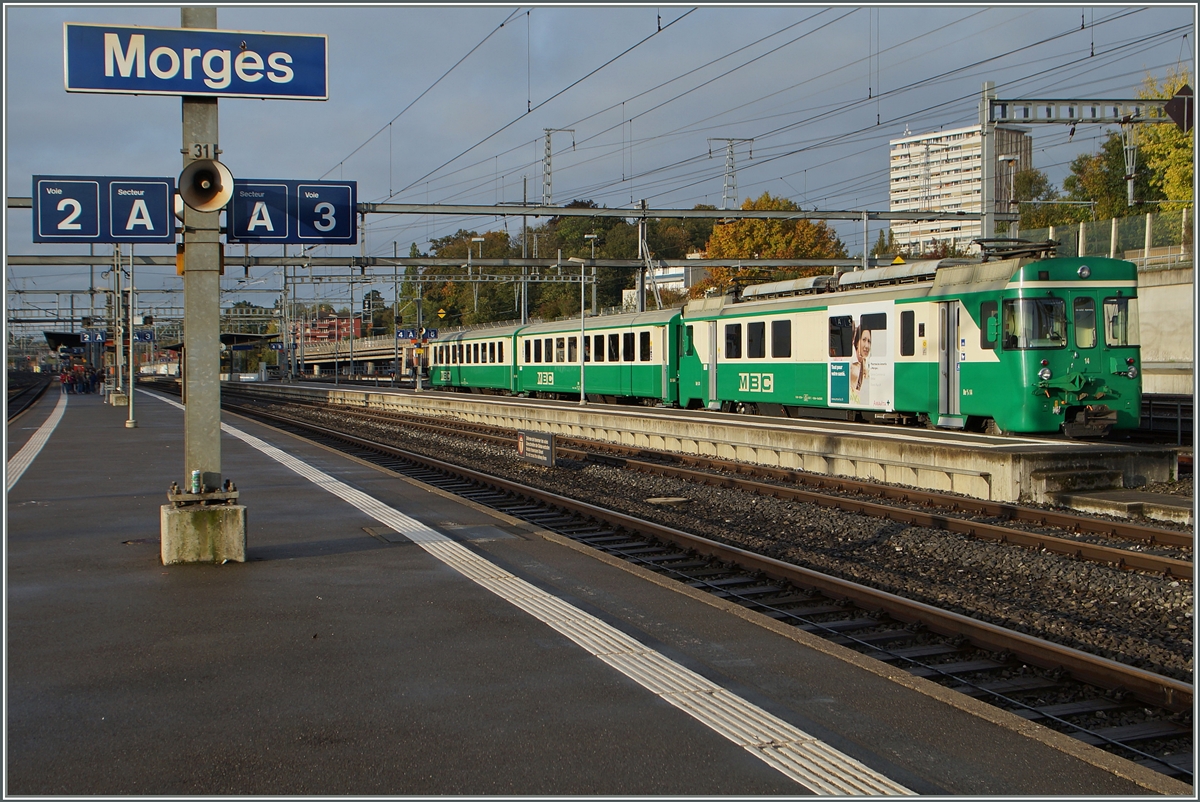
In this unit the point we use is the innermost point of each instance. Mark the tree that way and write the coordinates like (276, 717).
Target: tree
(774, 239)
(1100, 179)
(885, 245)
(768, 239)
(1037, 201)
(1167, 151)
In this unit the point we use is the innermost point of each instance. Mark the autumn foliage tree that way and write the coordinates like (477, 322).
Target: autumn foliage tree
(768, 239)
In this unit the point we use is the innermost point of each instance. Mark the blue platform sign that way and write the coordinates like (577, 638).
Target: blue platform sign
(103, 209)
(93, 336)
(144, 336)
(287, 211)
(123, 59)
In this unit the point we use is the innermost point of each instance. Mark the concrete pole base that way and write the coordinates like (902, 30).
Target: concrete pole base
(118, 399)
(203, 533)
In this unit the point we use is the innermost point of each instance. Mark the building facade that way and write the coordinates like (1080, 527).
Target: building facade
(328, 328)
(941, 172)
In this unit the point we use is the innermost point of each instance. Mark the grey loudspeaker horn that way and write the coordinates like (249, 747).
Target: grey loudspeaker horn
(206, 185)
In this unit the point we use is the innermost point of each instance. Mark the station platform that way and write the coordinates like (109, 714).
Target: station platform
(384, 638)
(1009, 468)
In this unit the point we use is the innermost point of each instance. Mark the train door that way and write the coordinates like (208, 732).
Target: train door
(710, 363)
(949, 362)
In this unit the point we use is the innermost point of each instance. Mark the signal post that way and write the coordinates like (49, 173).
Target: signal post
(208, 525)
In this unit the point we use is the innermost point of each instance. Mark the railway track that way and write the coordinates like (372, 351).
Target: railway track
(23, 392)
(1123, 709)
(1083, 537)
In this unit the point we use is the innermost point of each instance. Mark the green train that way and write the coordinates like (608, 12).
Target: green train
(1026, 343)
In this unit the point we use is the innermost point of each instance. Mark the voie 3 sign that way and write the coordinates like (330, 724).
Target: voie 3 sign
(194, 61)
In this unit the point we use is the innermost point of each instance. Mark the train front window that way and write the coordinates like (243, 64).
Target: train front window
(1120, 322)
(1032, 323)
(1084, 310)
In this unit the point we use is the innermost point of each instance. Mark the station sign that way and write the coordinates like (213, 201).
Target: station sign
(103, 209)
(146, 336)
(276, 346)
(416, 334)
(93, 336)
(286, 211)
(137, 60)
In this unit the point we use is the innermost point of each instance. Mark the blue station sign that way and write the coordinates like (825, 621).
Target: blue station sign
(286, 211)
(135, 60)
(103, 209)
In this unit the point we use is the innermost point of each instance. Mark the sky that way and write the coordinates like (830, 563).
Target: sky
(449, 104)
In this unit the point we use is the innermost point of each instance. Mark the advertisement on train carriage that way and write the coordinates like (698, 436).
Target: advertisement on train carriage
(861, 369)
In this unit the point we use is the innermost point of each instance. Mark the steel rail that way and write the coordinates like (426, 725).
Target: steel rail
(1144, 685)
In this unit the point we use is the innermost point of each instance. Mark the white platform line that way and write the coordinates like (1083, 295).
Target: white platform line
(25, 457)
(787, 749)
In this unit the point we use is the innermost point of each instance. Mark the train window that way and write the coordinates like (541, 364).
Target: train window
(537, 350)
(908, 343)
(459, 353)
(1084, 315)
(492, 352)
(475, 352)
(1120, 321)
(1030, 323)
(627, 347)
(756, 340)
(528, 352)
(781, 339)
(500, 351)
(841, 335)
(614, 348)
(549, 349)
(733, 340)
(560, 349)
(587, 349)
(688, 342)
(989, 330)
(599, 349)
(572, 349)
(644, 346)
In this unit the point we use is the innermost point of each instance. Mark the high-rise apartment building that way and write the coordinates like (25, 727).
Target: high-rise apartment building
(940, 172)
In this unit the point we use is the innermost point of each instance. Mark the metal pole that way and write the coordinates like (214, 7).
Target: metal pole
(987, 190)
(866, 241)
(201, 283)
(420, 325)
(395, 317)
(582, 330)
(131, 423)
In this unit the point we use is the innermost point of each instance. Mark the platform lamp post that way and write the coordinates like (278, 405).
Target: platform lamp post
(582, 325)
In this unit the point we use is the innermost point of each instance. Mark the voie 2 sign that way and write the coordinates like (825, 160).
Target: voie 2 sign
(194, 61)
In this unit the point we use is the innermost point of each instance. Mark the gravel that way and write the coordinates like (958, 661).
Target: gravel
(1137, 619)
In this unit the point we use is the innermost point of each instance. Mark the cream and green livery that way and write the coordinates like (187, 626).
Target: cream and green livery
(1029, 343)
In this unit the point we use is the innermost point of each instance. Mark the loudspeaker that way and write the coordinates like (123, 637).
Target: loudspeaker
(206, 185)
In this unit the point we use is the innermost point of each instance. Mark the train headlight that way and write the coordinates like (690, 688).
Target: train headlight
(1044, 374)
(1085, 271)
(1132, 372)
